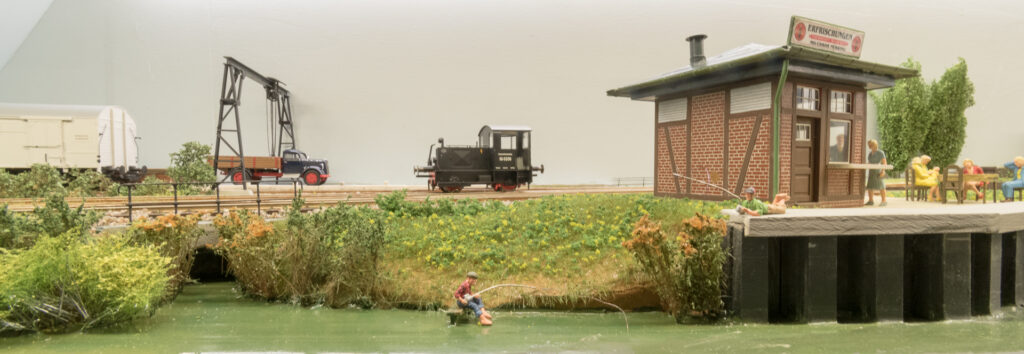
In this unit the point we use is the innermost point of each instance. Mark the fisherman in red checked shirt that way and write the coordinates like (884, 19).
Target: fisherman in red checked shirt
(465, 298)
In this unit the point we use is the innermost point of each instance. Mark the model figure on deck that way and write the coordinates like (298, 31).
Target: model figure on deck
(753, 207)
(1015, 167)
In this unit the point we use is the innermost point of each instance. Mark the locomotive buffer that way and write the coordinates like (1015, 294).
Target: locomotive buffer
(500, 159)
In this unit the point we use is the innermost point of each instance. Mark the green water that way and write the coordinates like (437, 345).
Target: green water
(212, 318)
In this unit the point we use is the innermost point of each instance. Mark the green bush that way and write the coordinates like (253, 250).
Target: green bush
(903, 118)
(62, 284)
(189, 165)
(39, 181)
(89, 183)
(686, 269)
(332, 256)
(20, 230)
(57, 217)
(396, 204)
(175, 237)
(915, 117)
(12, 229)
(149, 186)
(358, 237)
(950, 97)
(8, 184)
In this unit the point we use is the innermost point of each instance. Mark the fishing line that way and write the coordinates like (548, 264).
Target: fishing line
(707, 183)
(624, 317)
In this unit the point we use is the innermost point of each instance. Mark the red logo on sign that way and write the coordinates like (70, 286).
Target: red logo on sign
(799, 31)
(856, 44)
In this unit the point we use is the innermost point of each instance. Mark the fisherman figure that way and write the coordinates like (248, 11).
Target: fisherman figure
(753, 207)
(465, 298)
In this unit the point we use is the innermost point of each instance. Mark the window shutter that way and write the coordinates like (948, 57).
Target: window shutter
(750, 98)
(672, 110)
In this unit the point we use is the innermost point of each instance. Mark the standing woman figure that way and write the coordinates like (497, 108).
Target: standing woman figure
(875, 182)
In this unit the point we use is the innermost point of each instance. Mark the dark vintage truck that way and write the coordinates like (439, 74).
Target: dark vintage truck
(292, 163)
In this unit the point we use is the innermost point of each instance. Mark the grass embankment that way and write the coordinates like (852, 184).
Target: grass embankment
(569, 244)
(414, 255)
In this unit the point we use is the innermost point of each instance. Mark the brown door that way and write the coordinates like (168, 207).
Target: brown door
(805, 160)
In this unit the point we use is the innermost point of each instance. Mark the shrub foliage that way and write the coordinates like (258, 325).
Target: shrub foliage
(69, 282)
(329, 257)
(189, 165)
(686, 269)
(950, 97)
(903, 118)
(915, 117)
(175, 237)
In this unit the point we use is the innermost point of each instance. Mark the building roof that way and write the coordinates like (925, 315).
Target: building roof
(754, 53)
(51, 110)
(518, 128)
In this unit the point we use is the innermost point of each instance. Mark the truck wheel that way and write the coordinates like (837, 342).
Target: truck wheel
(311, 178)
(237, 175)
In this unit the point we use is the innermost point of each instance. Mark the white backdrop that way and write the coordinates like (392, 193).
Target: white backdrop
(375, 82)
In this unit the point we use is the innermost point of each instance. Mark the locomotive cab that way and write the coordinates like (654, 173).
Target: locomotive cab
(510, 147)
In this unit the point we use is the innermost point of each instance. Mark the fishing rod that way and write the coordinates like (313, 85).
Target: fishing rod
(624, 317)
(709, 184)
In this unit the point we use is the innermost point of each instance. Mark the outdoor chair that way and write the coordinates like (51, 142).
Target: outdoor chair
(955, 184)
(913, 191)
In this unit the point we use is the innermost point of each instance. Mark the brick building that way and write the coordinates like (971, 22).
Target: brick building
(724, 121)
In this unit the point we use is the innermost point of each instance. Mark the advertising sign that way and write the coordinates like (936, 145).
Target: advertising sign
(824, 36)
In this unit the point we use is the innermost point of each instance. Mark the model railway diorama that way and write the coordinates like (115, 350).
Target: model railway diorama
(500, 159)
(68, 137)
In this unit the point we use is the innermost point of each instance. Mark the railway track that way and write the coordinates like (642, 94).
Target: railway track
(276, 197)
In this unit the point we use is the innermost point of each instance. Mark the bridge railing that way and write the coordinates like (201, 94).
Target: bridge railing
(214, 186)
(633, 181)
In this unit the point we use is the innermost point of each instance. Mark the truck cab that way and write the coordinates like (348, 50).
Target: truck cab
(311, 171)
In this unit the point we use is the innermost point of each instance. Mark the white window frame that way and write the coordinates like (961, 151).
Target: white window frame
(847, 104)
(813, 101)
(796, 133)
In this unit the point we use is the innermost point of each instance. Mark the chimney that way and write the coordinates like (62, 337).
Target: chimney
(697, 59)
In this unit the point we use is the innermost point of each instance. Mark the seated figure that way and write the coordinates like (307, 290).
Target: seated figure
(923, 177)
(1015, 167)
(971, 169)
(753, 207)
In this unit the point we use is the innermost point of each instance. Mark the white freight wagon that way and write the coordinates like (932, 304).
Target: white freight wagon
(100, 138)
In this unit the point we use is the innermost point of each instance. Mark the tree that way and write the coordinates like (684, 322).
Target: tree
(949, 98)
(904, 118)
(189, 165)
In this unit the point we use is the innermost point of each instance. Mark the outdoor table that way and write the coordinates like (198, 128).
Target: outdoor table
(990, 179)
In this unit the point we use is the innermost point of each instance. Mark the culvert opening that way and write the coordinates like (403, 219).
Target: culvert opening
(208, 267)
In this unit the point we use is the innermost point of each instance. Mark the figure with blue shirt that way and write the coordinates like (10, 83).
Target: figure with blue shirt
(1015, 167)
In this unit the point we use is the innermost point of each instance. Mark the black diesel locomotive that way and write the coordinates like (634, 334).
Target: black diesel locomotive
(500, 159)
